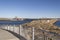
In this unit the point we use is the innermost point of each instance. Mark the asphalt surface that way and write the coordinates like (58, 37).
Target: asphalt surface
(5, 35)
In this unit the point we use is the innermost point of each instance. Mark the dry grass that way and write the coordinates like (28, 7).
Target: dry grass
(44, 24)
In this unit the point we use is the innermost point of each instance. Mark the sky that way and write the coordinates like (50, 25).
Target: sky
(30, 8)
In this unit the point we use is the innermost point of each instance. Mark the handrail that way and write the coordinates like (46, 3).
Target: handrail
(26, 33)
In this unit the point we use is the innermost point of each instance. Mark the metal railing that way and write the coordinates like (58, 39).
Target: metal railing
(30, 33)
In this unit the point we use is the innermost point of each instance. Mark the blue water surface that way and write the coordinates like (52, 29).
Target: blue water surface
(57, 23)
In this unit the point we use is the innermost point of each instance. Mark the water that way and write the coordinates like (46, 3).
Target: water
(14, 22)
(57, 23)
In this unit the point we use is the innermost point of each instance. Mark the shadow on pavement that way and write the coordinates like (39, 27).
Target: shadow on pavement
(17, 35)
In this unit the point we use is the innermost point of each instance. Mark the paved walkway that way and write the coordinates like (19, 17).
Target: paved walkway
(5, 35)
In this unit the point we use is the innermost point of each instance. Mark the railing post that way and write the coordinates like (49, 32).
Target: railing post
(13, 27)
(44, 35)
(7, 27)
(19, 29)
(33, 33)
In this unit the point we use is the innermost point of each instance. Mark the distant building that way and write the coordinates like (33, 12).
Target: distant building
(17, 19)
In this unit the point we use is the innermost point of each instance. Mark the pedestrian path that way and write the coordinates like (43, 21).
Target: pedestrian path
(5, 35)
